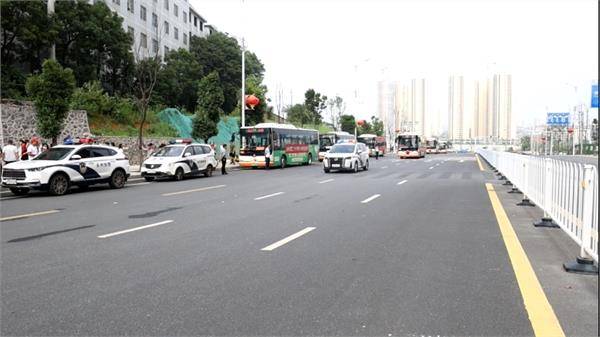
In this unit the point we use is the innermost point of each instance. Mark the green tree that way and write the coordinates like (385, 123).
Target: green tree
(221, 53)
(51, 93)
(27, 33)
(347, 123)
(208, 111)
(92, 42)
(177, 84)
(526, 143)
(315, 103)
(298, 115)
(366, 127)
(377, 126)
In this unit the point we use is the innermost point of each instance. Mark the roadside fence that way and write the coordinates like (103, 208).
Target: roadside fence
(567, 192)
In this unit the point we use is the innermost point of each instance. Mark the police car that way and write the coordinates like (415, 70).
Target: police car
(62, 166)
(180, 158)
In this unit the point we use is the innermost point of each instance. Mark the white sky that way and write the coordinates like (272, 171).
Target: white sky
(338, 47)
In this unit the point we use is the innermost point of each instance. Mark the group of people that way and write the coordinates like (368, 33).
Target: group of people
(25, 150)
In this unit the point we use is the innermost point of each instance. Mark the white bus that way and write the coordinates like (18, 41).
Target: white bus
(327, 140)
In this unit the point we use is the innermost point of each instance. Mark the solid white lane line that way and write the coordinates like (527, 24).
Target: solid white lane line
(431, 168)
(28, 215)
(375, 196)
(288, 239)
(134, 229)
(269, 195)
(137, 184)
(194, 190)
(325, 181)
(402, 182)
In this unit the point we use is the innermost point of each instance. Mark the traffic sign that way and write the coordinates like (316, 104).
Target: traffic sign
(594, 96)
(558, 119)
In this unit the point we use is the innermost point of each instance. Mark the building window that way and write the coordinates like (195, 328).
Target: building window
(195, 21)
(166, 51)
(176, 33)
(143, 41)
(201, 26)
(117, 2)
(131, 33)
(154, 20)
(130, 5)
(176, 10)
(155, 46)
(184, 17)
(184, 38)
(143, 13)
(166, 27)
(167, 4)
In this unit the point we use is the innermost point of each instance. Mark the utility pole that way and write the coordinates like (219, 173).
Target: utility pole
(50, 12)
(243, 82)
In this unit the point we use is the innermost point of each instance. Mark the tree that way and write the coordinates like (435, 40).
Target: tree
(51, 93)
(315, 103)
(27, 33)
(221, 53)
(209, 111)
(298, 114)
(377, 126)
(337, 106)
(146, 74)
(92, 42)
(366, 127)
(347, 123)
(177, 84)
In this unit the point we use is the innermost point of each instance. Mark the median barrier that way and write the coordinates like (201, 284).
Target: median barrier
(567, 192)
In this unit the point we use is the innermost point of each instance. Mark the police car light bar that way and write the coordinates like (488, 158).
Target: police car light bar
(181, 141)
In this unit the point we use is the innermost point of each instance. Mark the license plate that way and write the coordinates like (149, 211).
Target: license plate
(11, 181)
(335, 165)
(151, 171)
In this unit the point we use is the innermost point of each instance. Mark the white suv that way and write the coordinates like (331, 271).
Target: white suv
(179, 160)
(64, 165)
(346, 157)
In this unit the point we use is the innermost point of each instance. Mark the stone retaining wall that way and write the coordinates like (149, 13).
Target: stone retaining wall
(19, 121)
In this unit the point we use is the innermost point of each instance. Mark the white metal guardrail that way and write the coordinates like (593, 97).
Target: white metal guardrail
(567, 192)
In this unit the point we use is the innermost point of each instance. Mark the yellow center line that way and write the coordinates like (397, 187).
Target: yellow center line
(22, 216)
(479, 163)
(541, 315)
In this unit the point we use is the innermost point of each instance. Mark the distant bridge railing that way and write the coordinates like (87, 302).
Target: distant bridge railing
(567, 192)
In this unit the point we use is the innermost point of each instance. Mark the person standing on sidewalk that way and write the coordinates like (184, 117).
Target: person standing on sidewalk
(10, 152)
(23, 151)
(267, 157)
(223, 155)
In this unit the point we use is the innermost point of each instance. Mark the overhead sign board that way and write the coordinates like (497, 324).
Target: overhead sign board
(594, 96)
(558, 119)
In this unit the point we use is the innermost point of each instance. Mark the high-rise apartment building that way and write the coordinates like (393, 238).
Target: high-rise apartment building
(410, 106)
(502, 124)
(386, 101)
(158, 26)
(456, 108)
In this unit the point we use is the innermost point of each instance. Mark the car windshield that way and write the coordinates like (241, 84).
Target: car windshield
(169, 151)
(55, 153)
(407, 141)
(342, 148)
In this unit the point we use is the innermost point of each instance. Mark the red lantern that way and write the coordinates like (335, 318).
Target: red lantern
(252, 101)
(570, 130)
(360, 122)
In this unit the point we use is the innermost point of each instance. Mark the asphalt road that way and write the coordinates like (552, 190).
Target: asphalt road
(409, 247)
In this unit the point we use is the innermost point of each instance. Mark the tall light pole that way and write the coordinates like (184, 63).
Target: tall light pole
(243, 83)
(50, 12)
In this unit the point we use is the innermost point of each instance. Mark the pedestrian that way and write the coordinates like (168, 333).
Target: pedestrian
(10, 153)
(232, 153)
(23, 152)
(376, 153)
(33, 148)
(267, 157)
(223, 155)
(45, 147)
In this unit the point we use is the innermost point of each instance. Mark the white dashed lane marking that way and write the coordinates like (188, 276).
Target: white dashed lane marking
(288, 239)
(325, 181)
(402, 182)
(134, 229)
(373, 197)
(268, 196)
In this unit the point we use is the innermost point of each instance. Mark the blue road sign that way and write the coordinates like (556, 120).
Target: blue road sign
(594, 96)
(558, 119)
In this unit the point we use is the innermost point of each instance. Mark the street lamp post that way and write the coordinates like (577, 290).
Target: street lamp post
(243, 83)
(50, 9)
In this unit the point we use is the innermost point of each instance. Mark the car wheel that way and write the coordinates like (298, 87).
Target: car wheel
(366, 168)
(356, 167)
(282, 162)
(58, 184)
(117, 179)
(19, 191)
(209, 171)
(326, 170)
(178, 174)
(149, 178)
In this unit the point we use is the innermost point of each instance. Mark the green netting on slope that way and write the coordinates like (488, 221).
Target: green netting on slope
(179, 121)
(227, 126)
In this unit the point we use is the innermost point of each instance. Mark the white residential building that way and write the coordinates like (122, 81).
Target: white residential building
(158, 26)
(410, 106)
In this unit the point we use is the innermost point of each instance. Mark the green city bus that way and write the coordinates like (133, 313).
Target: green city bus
(289, 145)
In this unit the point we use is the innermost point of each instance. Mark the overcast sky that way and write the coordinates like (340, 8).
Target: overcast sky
(340, 47)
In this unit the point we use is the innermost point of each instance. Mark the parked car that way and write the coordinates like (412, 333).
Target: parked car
(180, 159)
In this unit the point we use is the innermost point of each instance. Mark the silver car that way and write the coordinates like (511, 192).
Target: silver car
(346, 157)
